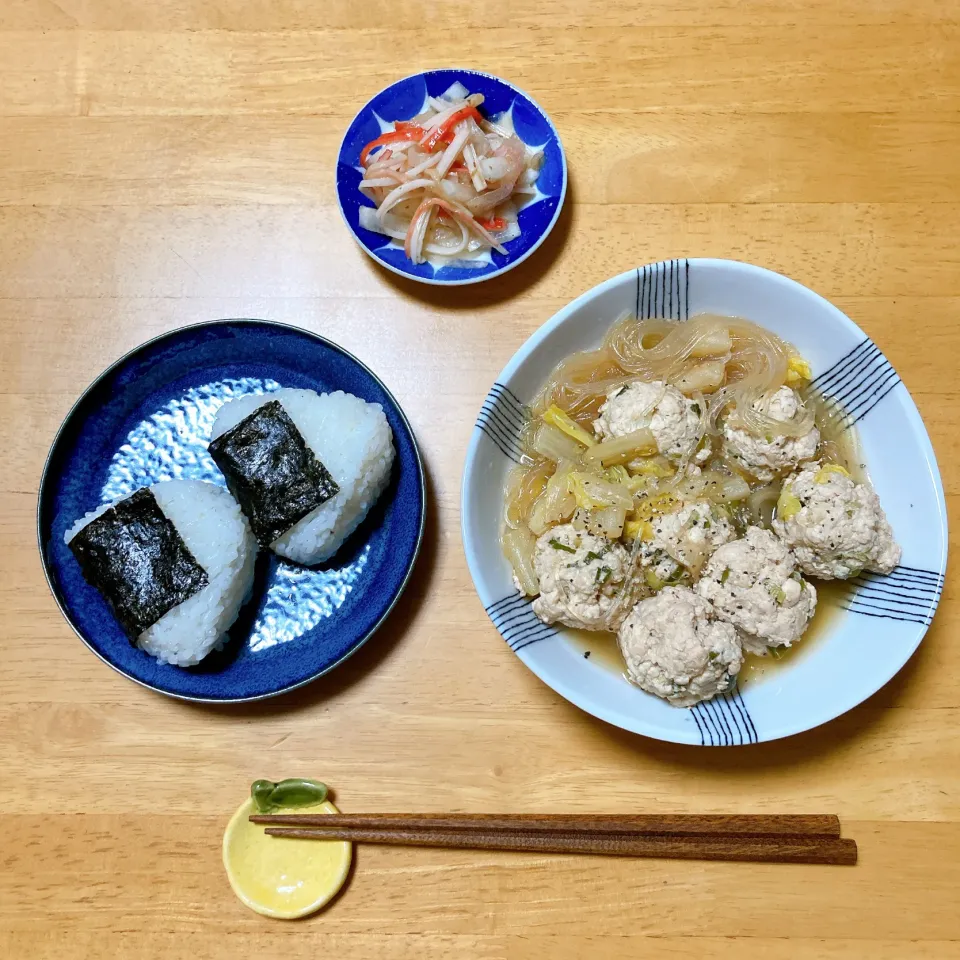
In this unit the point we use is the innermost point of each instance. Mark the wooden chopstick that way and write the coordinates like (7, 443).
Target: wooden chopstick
(757, 849)
(754, 825)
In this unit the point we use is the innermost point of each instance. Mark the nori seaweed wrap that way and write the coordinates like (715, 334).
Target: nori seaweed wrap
(272, 473)
(136, 558)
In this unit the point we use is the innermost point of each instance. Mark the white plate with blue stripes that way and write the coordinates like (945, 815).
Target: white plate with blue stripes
(881, 619)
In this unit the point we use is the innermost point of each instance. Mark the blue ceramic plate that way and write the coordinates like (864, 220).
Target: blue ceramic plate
(404, 100)
(148, 418)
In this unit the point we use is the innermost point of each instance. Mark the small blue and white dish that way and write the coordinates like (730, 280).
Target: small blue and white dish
(405, 99)
(148, 418)
(876, 622)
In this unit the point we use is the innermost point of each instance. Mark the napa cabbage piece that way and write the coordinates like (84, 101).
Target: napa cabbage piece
(788, 505)
(619, 450)
(555, 505)
(555, 444)
(562, 421)
(823, 474)
(518, 547)
(594, 492)
(602, 521)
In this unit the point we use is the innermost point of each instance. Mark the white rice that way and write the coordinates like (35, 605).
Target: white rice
(218, 535)
(352, 439)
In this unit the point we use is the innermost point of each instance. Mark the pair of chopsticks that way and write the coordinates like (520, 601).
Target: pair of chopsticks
(756, 838)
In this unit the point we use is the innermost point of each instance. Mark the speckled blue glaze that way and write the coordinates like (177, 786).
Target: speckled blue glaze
(148, 418)
(404, 100)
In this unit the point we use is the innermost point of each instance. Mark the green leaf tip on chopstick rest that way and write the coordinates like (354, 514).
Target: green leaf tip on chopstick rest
(260, 791)
(268, 797)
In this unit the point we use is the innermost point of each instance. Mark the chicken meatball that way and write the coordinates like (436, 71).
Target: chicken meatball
(581, 579)
(754, 584)
(835, 527)
(675, 647)
(673, 420)
(686, 539)
(770, 456)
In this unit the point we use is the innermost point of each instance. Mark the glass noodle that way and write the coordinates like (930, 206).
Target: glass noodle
(735, 361)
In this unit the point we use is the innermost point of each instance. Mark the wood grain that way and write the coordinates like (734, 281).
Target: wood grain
(259, 15)
(180, 160)
(168, 162)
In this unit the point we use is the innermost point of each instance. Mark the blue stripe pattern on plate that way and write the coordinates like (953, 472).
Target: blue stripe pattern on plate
(663, 291)
(501, 419)
(514, 618)
(724, 721)
(908, 594)
(856, 383)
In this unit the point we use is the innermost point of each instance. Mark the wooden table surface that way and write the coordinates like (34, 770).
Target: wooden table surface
(169, 162)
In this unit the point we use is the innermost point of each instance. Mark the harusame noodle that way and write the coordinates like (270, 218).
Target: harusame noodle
(734, 360)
